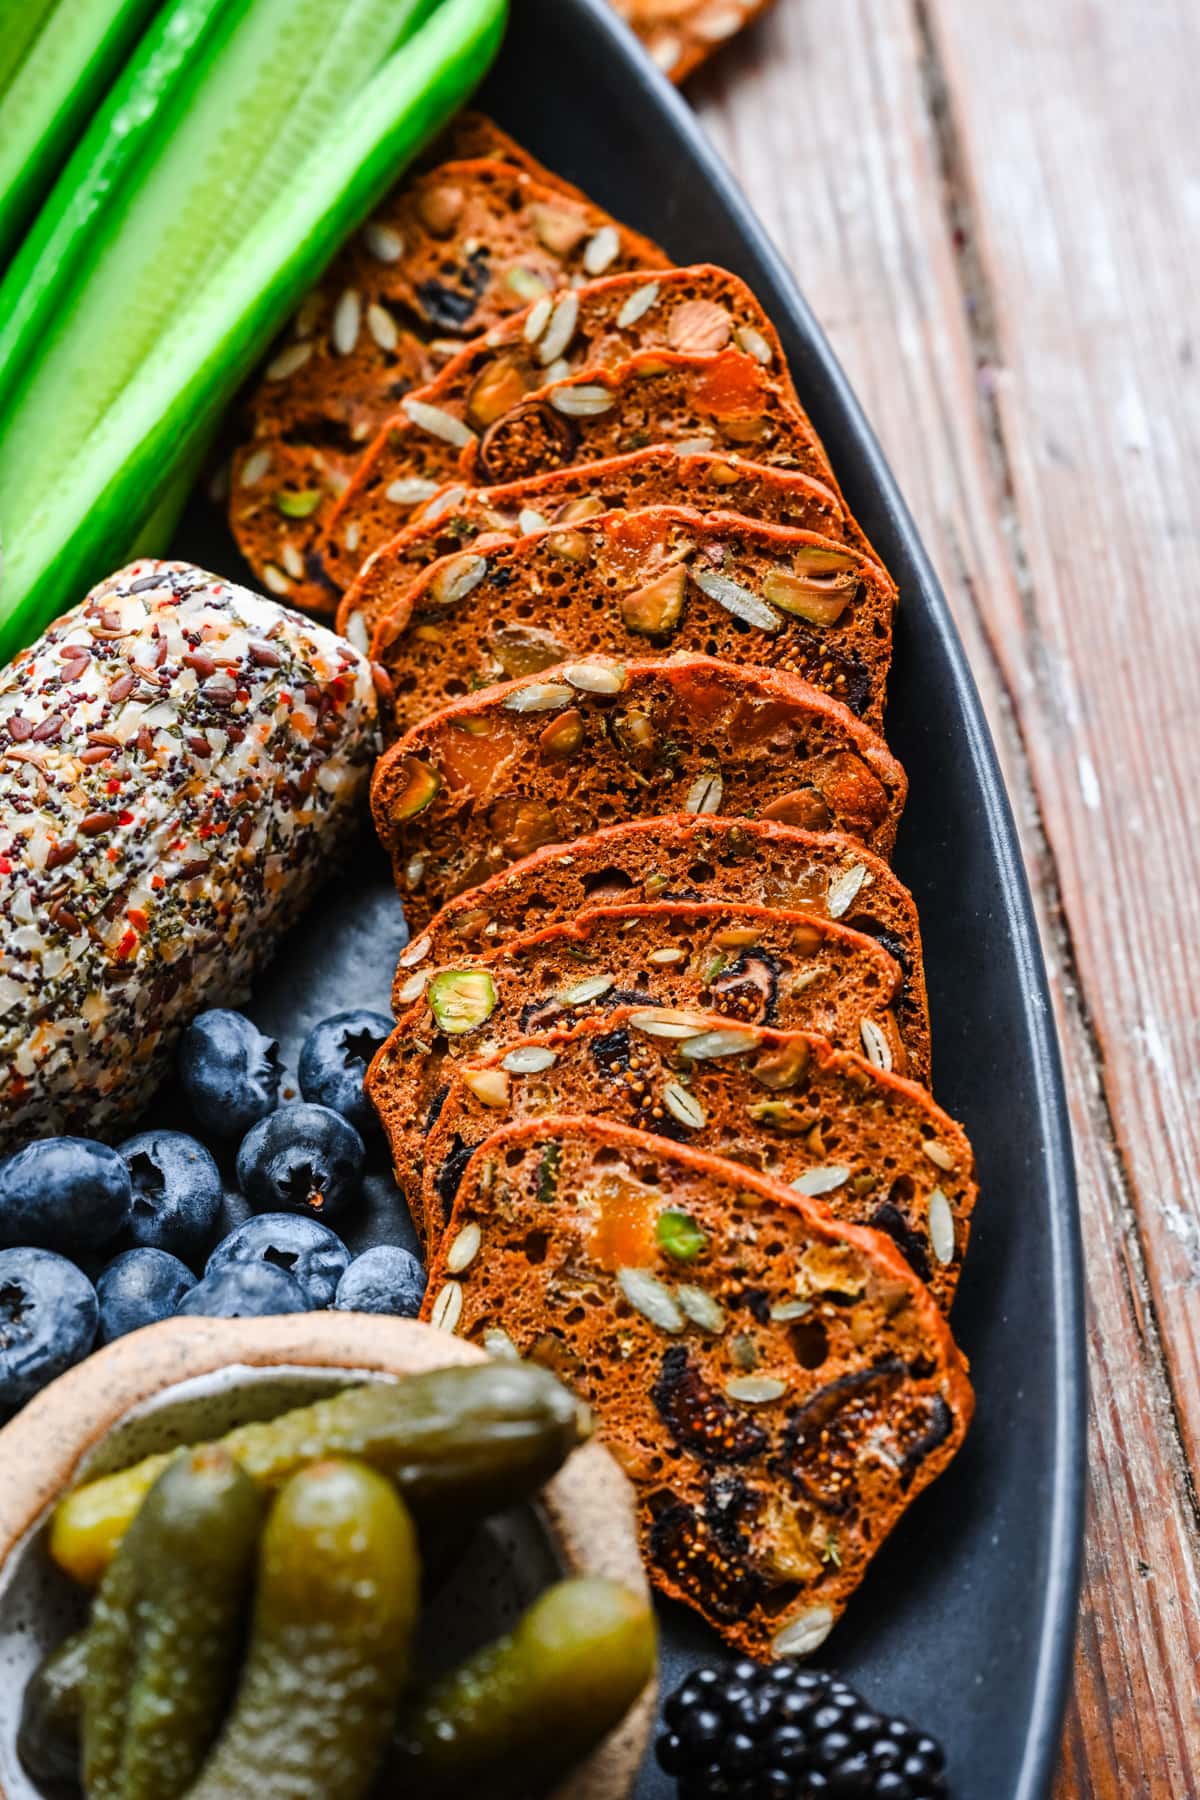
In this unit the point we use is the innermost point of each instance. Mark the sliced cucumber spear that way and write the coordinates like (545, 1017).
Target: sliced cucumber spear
(57, 57)
(63, 530)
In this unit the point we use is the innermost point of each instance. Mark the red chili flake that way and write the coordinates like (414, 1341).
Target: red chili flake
(19, 729)
(112, 853)
(98, 822)
(125, 818)
(157, 882)
(205, 831)
(49, 728)
(122, 687)
(137, 918)
(5, 866)
(284, 698)
(243, 694)
(58, 854)
(127, 944)
(113, 785)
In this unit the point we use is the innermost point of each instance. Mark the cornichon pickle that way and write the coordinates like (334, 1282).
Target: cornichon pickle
(521, 1712)
(51, 1712)
(469, 1439)
(166, 1630)
(334, 1614)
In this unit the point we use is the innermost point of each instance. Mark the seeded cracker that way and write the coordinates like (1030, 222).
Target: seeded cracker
(778, 1386)
(681, 34)
(873, 1147)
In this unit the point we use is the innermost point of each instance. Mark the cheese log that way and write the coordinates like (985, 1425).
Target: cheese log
(695, 857)
(727, 402)
(872, 1146)
(694, 311)
(459, 518)
(449, 253)
(497, 774)
(778, 1386)
(750, 964)
(180, 761)
(663, 578)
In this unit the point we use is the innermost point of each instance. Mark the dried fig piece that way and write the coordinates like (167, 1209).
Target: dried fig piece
(531, 439)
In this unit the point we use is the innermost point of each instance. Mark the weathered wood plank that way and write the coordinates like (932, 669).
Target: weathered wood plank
(989, 207)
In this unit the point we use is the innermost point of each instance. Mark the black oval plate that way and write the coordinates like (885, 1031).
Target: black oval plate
(965, 1623)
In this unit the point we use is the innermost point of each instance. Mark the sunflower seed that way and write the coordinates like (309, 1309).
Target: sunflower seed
(441, 503)
(414, 871)
(784, 1311)
(561, 328)
(416, 952)
(347, 317)
(497, 1343)
(447, 1308)
(439, 423)
(708, 1044)
(638, 304)
(276, 580)
(529, 521)
(941, 1227)
(413, 988)
(596, 677)
(939, 1156)
(693, 446)
(843, 889)
(684, 1106)
(822, 1180)
(539, 696)
(737, 600)
(591, 989)
(701, 1308)
(585, 402)
(410, 491)
(602, 250)
(879, 1051)
(704, 795)
(292, 560)
(357, 633)
(254, 467)
(382, 326)
(805, 1634)
(539, 318)
(464, 1249)
(755, 1390)
(754, 344)
(529, 1059)
(489, 1086)
(350, 537)
(557, 371)
(664, 958)
(648, 1296)
(385, 245)
(288, 361)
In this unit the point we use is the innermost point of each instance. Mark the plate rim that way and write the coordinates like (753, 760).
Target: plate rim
(1055, 1638)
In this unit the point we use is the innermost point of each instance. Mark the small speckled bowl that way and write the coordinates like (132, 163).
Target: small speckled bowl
(191, 1379)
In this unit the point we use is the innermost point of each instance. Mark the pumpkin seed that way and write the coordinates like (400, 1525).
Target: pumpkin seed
(347, 318)
(382, 326)
(411, 491)
(650, 1297)
(255, 467)
(684, 1106)
(667, 1022)
(822, 1180)
(529, 521)
(638, 304)
(561, 328)
(665, 957)
(805, 1634)
(464, 1249)
(705, 794)
(784, 1311)
(421, 787)
(596, 677)
(539, 318)
(385, 245)
(447, 1308)
(737, 600)
(602, 250)
(755, 1390)
(529, 1059)
(299, 504)
(438, 423)
(591, 989)
(539, 696)
(678, 1234)
(462, 999)
(701, 1308)
(288, 362)
(722, 1042)
(941, 1227)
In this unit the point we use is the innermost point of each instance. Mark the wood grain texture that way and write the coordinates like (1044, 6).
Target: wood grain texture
(1003, 250)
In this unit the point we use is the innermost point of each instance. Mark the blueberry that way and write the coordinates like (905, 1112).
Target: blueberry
(64, 1193)
(334, 1061)
(48, 1317)
(230, 1072)
(244, 1291)
(383, 1280)
(138, 1288)
(312, 1254)
(303, 1157)
(177, 1192)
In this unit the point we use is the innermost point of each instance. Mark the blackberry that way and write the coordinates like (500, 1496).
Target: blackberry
(745, 1732)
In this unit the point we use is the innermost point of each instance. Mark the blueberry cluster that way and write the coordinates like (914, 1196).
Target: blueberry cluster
(786, 1733)
(159, 1202)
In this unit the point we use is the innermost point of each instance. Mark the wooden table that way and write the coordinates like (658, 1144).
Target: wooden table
(994, 207)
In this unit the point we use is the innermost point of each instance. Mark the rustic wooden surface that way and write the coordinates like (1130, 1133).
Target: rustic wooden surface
(995, 210)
